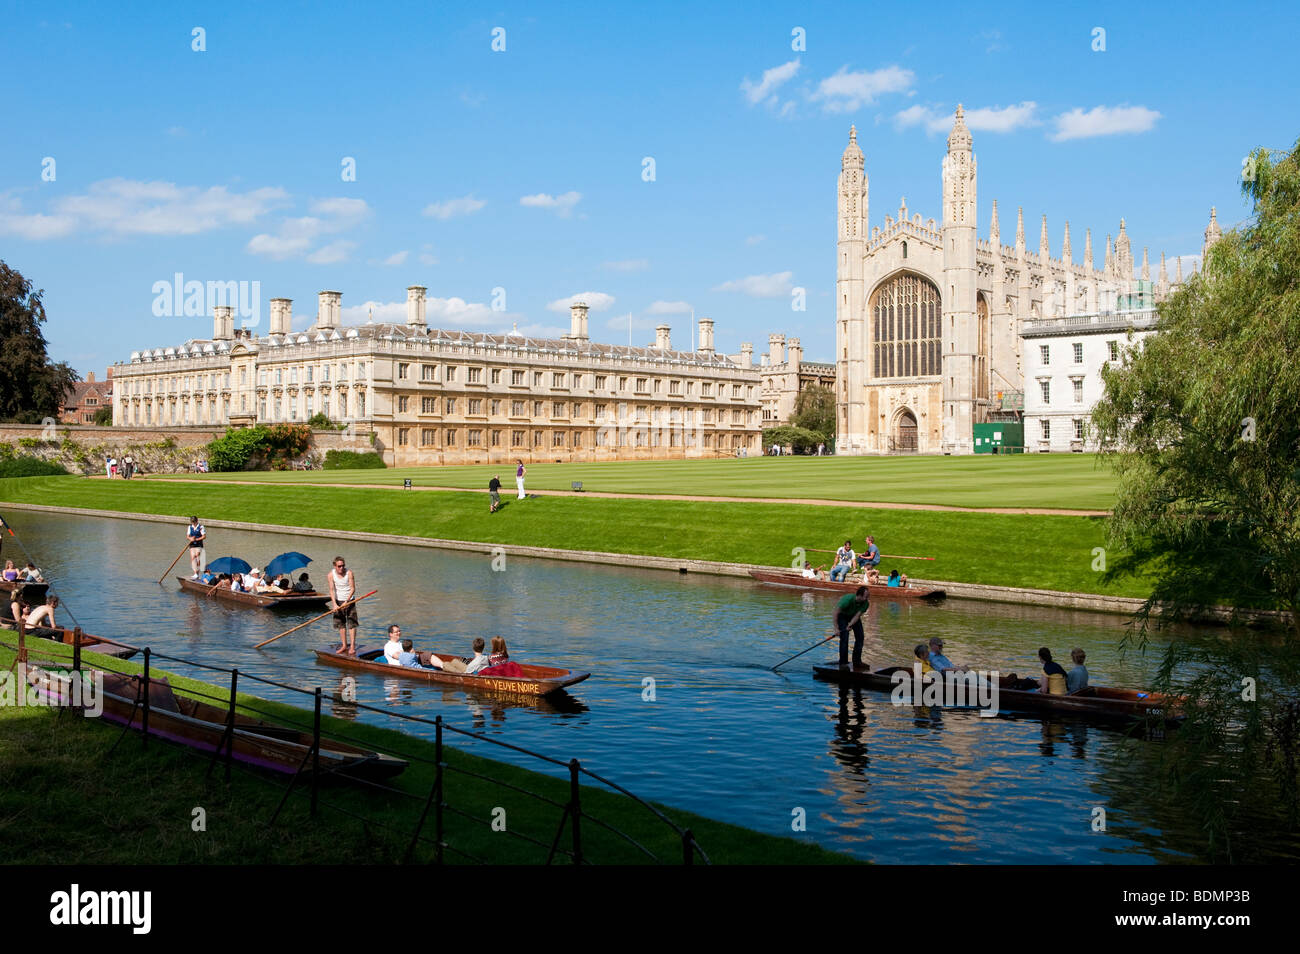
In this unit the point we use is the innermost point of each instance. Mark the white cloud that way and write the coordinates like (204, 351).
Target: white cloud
(397, 258)
(450, 313)
(427, 259)
(772, 80)
(539, 331)
(628, 265)
(1103, 121)
(995, 119)
(776, 285)
(465, 205)
(332, 254)
(131, 207)
(341, 208)
(384, 312)
(669, 308)
(754, 239)
(278, 247)
(844, 91)
(596, 301)
(562, 204)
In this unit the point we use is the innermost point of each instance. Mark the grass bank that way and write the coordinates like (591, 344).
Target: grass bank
(1031, 481)
(1045, 552)
(65, 798)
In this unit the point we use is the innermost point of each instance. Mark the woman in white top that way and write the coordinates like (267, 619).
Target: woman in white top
(392, 648)
(519, 477)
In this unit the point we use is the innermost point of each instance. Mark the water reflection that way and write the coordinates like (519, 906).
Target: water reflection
(722, 735)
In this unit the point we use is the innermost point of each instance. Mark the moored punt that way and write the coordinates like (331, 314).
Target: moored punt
(97, 644)
(876, 591)
(535, 681)
(311, 600)
(198, 725)
(1094, 702)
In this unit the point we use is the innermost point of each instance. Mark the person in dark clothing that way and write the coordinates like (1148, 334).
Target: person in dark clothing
(303, 585)
(1053, 678)
(848, 615)
(494, 491)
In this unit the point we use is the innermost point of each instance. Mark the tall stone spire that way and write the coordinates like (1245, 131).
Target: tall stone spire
(1020, 232)
(1146, 267)
(995, 233)
(1212, 234)
(1123, 254)
(964, 380)
(959, 139)
(1178, 273)
(1087, 249)
(851, 335)
(1162, 283)
(1044, 249)
(1066, 252)
(1109, 267)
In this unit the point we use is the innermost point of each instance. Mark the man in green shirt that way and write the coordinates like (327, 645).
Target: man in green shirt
(848, 615)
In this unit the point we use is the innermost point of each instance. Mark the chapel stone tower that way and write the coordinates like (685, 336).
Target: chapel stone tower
(850, 308)
(960, 362)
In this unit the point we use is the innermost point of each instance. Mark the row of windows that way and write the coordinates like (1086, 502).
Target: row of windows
(1045, 388)
(645, 437)
(199, 411)
(1045, 352)
(1079, 428)
(562, 409)
(265, 376)
(565, 379)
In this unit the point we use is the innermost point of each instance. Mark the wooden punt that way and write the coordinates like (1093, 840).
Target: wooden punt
(536, 680)
(311, 600)
(1094, 702)
(201, 726)
(876, 591)
(96, 644)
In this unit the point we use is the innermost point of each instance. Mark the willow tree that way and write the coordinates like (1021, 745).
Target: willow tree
(1201, 423)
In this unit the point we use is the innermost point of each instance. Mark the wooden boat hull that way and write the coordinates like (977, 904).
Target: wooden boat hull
(94, 644)
(536, 681)
(875, 591)
(263, 600)
(1095, 702)
(197, 725)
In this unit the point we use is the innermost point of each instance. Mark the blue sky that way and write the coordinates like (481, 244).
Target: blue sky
(522, 169)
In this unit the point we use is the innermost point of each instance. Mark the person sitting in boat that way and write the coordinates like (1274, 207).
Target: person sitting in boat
(499, 661)
(303, 585)
(237, 583)
(938, 661)
(922, 652)
(43, 612)
(868, 561)
(808, 572)
(32, 575)
(845, 560)
(393, 648)
(499, 653)
(895, 578)
(480, 660)
(17, 605)
(11, 572)
(1077, 678)
(407, 656)
(1053, 679)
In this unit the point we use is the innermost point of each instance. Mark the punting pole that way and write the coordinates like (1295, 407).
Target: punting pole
(314, 619)
(808, 650)
(174, 562)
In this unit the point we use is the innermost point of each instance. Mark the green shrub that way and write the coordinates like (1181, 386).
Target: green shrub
(288, 440)
(319, 422)
(30, 467)
(235, 450)
(6, 451)
(30, 443)
(104, 417)
(351, 460)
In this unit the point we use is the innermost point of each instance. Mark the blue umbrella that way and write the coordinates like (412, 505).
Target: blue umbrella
(229, 565)
(287, 563)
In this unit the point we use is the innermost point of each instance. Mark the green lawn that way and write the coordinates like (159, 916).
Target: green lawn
(1069, 481)
(1046, 552)
(66, 799)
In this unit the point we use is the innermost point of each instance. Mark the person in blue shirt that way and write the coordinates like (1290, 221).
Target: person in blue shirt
(869, 560)
(896, 579)
(939, 662)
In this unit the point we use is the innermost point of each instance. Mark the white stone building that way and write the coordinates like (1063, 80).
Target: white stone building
(929, 317)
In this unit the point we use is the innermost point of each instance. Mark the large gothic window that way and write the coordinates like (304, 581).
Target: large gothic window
(906, 321)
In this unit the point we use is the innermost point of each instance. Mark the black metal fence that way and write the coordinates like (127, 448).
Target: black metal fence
(436, 811)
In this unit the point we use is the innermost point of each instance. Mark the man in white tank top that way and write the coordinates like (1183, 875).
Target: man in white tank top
(343, 587)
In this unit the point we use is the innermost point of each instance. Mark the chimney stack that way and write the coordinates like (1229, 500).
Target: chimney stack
(776, 348)
(578, 321)
(706, 335)
(796, 354)
(281, 315)
(223, 323)
(747, 355)
(328, 310)
(662, 339)
(415, 306)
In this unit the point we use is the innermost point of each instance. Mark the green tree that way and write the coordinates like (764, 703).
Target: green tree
(1200, 424)
(31, 386)
(814, 410)
(797, 437)
(104, 416)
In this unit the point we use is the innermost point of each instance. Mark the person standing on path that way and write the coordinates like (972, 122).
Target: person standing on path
(198, 553)
(494, 491)
(848, 615)
(343, 587)
(519, 477)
